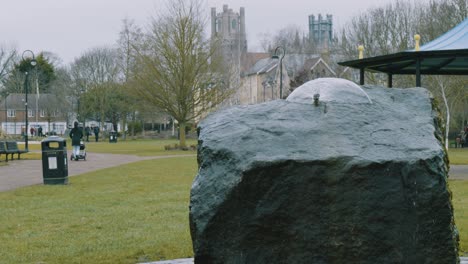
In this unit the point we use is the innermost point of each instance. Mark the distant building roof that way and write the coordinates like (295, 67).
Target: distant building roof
(16, 101)
(293, 63)
(252, 58)
(263, 66)
(310, 64)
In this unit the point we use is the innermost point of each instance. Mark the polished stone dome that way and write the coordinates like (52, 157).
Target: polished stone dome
(330, 90)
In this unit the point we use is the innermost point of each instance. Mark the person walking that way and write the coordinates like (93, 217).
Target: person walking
(76, 135)
(87, 133)
(96, 133)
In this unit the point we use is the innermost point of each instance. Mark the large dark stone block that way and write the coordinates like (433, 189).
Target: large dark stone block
(342, 182)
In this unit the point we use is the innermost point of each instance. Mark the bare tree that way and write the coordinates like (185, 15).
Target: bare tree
(93, 76)
(291, 37)
(96, 66)
(454, 93)
(176, 65)
(7, 61)
(381, 30)
(129, 36)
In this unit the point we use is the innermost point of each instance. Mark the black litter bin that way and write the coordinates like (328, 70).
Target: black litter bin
(112, 137)
(54, 160)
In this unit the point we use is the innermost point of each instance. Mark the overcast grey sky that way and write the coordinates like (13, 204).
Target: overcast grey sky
(70, 27)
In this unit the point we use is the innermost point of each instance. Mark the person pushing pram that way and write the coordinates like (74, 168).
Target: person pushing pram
(76, 134)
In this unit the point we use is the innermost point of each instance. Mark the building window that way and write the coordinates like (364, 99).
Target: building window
(30, 113)
(42, 113)
(11, 113)
(234, 24)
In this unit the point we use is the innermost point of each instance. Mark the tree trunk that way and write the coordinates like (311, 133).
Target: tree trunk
(173, 126)
(182, 134)
(134, 124)
(447, 125)
(124, 126)
(102, 122)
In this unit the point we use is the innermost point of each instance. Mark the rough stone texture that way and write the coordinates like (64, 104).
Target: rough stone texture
(287, 182)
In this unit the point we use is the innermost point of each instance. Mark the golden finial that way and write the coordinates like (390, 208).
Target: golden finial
(416, 39)
(361, 51)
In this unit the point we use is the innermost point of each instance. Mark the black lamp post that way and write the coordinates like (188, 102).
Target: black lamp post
(6, 112)
(276, 56)
(80, 115)
(28, 56)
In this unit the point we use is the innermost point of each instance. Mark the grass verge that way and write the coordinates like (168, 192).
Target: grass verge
(460, 204)
(154, 147)
(458, 156)
(127, 214)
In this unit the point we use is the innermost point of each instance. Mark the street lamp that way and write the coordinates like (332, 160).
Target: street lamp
(28, 57)
(6, 112)
(276, 56)
(80, 115)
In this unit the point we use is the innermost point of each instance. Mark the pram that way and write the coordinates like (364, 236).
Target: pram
(82, 154)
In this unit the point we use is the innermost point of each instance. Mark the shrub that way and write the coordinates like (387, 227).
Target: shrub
(136, 125)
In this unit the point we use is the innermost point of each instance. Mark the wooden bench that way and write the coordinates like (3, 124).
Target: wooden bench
(12, 148)
(3, 150)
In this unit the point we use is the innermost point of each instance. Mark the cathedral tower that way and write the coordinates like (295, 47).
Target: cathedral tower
(230, 28)
(321, 32)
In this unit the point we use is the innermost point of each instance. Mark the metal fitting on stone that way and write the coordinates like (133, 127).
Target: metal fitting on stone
(316, 99)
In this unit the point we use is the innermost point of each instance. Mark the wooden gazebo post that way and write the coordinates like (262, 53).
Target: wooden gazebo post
(361, 70)
(417, 38)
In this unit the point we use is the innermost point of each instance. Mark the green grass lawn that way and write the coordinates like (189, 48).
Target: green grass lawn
(154, 147)
(127, 214)
(458, 156)
(460, 204)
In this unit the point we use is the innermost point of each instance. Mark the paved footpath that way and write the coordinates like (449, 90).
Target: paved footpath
(20, 173)
(458, 172)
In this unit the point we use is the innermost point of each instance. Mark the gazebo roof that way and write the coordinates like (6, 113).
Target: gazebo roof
(455, 39)
(445, 55)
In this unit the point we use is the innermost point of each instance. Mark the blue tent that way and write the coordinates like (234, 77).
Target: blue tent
(445, 55)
